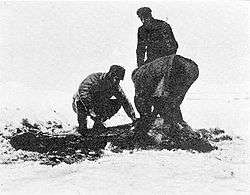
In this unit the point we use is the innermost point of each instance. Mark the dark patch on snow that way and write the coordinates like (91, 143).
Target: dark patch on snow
(171, 137)
(52, 149)
(223, 138)
(56, 148)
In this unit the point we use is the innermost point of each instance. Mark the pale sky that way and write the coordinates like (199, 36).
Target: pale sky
(55, 45)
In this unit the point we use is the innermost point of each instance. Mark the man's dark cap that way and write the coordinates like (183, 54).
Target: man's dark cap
(144, 11)
(116, 70)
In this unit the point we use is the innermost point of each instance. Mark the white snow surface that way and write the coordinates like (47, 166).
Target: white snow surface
(222, 171)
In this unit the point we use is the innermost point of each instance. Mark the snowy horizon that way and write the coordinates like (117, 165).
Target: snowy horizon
(55, 45)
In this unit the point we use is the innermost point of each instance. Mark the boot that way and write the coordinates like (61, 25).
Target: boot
(82, 121)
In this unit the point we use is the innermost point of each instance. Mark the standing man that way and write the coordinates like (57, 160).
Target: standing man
(155, 40)
(93, 98)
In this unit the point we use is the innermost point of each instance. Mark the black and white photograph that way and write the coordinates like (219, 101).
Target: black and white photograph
(125, 97)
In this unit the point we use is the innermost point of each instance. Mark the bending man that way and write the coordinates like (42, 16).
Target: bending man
(93, 98)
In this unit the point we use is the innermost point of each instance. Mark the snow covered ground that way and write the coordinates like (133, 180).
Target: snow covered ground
(222, 171)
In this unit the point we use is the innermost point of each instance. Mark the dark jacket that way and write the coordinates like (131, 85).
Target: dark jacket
(157, 40)
(97, 88)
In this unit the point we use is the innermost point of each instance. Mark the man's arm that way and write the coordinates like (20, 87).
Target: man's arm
(120, 95)
(169, 36)
(141, 46)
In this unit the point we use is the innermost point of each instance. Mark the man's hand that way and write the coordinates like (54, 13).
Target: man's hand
(92, 113)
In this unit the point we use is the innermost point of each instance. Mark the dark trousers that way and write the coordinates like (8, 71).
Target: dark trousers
(104, 110)
(169, 108)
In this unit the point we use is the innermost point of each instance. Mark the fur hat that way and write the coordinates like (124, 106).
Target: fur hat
(116, 70)
(144, 12)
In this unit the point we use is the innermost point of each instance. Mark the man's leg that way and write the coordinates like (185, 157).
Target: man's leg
(177, 115)
(105, 110)
(171, 104)
(164, 85)
(143, 105)
(81, 118)
(113, 107)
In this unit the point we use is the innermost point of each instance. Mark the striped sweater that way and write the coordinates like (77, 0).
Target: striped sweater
(97, 87)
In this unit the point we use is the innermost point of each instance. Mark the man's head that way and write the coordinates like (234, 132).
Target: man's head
(144, 13)
(116, 73)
